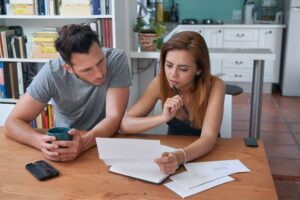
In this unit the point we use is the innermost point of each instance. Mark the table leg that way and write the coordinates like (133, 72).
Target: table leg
(256, 99)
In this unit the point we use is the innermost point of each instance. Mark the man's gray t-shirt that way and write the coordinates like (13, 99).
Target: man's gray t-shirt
(76, 103)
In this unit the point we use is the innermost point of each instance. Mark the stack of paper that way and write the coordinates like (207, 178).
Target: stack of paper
(201, 176)
(133, 157)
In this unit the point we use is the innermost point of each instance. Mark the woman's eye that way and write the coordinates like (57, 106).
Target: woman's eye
(184, 69)
(168, 66)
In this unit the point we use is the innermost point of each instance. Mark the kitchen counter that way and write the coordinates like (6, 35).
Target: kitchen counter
(179, 27)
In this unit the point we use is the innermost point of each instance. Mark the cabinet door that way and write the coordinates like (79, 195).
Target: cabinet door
(271, 39)
(214, 39)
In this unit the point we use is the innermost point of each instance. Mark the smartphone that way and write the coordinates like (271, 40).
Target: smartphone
(42, 170)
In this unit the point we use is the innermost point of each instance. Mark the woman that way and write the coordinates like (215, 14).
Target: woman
(196, 110)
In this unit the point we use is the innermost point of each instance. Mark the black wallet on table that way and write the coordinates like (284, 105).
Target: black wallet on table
(42, 170)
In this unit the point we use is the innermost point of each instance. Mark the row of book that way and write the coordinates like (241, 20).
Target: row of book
(56, 7)
(43, 44)
(12, 42)
(45, 119)
(15, 77)
(103, 27)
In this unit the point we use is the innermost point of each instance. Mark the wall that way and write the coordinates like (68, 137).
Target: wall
(216, 9)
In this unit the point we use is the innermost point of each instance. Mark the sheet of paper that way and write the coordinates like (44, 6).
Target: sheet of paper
(133, 157)
(202, 172)
(128, 149)
(146, 170)
(189, 180)
(221, 167)
(185, 193)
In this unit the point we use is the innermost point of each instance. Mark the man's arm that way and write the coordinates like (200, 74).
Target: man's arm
(116, 103)
(18, 123)
(18, 127)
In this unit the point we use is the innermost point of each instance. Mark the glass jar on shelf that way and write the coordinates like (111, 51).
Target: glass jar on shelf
(159, 11)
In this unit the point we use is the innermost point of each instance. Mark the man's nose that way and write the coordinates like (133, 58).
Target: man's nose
(99, 72)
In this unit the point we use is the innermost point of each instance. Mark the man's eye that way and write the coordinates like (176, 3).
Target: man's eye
(87, 70)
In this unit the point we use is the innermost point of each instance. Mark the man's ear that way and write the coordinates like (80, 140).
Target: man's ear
(68, 68)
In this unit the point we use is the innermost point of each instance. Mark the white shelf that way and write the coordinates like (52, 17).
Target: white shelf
(20, 17)
(4, 100)
(28, 60)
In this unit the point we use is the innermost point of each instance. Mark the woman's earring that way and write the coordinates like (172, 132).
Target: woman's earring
(198, 73)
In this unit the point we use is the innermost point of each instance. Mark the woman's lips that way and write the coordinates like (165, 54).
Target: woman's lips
(172, 83)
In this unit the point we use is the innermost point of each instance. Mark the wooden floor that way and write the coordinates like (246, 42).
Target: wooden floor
(280, 131)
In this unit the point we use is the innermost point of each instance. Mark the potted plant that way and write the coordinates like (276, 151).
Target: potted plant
(150, 35)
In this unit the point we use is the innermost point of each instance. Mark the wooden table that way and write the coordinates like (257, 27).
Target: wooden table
(88, 178)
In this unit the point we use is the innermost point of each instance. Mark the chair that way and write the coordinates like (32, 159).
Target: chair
(5, 111)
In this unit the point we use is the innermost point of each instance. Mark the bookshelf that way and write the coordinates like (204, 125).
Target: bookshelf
(53, 17)
(120, 29)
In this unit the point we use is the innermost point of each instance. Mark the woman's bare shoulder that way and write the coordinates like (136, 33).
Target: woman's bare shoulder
(218, 83)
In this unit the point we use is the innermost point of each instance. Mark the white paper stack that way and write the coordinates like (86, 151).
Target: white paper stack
(133, 157)
(201, 176)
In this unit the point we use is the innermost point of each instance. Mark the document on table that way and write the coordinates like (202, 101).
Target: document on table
(133, 157)
(128, 149)
(223, 166)
(201, 176)
(202, 172)
(185, 192)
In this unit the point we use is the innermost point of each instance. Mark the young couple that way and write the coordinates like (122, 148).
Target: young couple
(89, 88)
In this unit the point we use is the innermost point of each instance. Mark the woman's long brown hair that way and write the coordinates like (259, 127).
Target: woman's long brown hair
(192, 42)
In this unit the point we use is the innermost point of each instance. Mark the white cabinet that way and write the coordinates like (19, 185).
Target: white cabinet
(240, 36)
(214, 39)
(271, 39)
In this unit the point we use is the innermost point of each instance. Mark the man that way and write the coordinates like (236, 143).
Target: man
(88, 87)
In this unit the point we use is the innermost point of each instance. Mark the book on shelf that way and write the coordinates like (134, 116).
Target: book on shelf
(9, 34)
(105, 7)
(2, 86)
(41, 7)
(7, 85)
(18, 30)
(99, 31)
(16, 77)
(44, 119)
(107, 32)
(96, 7)
(104, 31)
(75, 2)
(22, 9)
(3, 7)
(30, 2)
(43, 44)
(13, 75)
(75, 10)
(20, 78)
(12, 42)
